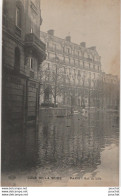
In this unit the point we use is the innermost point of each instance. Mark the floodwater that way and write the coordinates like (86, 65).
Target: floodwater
(68, 151)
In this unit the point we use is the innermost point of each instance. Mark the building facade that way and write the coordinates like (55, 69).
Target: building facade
(71, 73)
(22, 54)
(110, 91)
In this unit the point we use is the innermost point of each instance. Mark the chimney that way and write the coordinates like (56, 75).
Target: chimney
(83, 44)
(51, 32)
(93, 48)
(68, 38)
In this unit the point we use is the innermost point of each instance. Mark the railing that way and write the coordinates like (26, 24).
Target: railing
(75, 65)
(50, 48)
(33, 39)
(91, 69)
(97, 62)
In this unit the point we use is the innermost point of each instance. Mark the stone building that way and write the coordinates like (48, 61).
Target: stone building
(22, 54)
(110, 91)
(71, 73)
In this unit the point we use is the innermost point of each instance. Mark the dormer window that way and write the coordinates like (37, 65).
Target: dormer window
(18, 17)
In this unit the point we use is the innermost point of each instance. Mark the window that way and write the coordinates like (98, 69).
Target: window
(85, 55)
(63, 49)
(48, 66)
(54, 45)
(17, 59)
(31, 63)
(83, 64)
(69, 71)
(18, 17)
(68, 50)
(31, 30)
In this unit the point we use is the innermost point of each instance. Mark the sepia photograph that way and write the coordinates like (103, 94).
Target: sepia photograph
(60, 93)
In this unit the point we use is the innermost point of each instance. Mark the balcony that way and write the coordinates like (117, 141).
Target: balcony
(34, 44)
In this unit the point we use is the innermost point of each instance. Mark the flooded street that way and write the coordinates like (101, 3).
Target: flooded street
(75, 150)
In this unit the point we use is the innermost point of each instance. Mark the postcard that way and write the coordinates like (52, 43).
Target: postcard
(60, 93)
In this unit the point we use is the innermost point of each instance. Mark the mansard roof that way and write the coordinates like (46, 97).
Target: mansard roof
(91, 51)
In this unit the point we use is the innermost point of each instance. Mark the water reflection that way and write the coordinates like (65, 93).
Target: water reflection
(71, 144)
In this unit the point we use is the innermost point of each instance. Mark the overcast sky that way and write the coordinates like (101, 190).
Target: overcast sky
(95, 22)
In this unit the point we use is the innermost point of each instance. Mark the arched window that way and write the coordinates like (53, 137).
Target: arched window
(19, 14)
(17, 59)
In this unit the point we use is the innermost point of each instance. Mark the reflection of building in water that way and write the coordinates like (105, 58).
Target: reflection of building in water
(69, 146)
(23, 52)
(74, 144)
